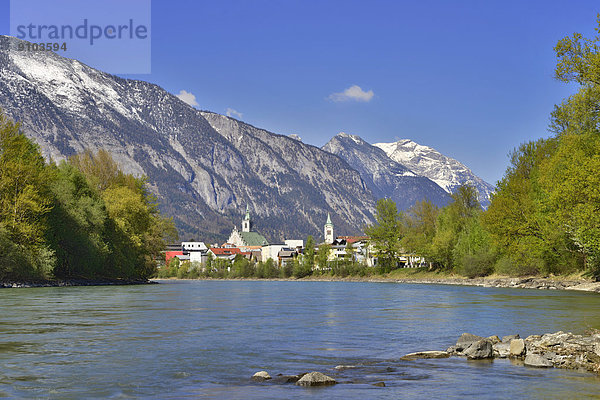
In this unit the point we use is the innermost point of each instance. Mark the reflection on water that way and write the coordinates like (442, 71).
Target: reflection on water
(205, 339)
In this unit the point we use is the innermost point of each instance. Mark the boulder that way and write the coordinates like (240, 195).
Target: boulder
(501, 350)
(288, 378)
(480, 350)
(517, 348)
(535, 360)
(261, 376)
(379, 384)
(315, 379)
(508, 338)
(466, 339)
(425, 354)
(494, 339)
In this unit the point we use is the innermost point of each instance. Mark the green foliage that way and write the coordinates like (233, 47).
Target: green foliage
(83, 219)
(473, 255)
(452, 221)
(287, 270)
(242, 268)
(301, 269)
(267, 270)
(386, 234)
(420, 226)
(308, 259)
(323, 255)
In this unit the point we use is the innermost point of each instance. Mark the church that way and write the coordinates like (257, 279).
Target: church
(247, 238)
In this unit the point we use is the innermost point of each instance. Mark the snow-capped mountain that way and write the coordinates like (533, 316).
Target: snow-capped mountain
(384, 176)
(445, 171)
(204, 167)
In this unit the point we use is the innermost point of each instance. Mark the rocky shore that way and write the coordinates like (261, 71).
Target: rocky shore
(551, 350)
(555, 283)
(73, 282)
(522, 283)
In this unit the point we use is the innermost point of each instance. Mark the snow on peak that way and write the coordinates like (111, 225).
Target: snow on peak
(355, 138)
(445, 171)
(70, 83)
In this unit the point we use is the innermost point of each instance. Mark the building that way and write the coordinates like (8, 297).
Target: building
(247, 239)
(328, 230)
(228, 253)
(197, 251)
(271, 251)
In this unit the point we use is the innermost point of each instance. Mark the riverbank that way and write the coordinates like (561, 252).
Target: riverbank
(551, 350)
(73, 282)
(422, 276)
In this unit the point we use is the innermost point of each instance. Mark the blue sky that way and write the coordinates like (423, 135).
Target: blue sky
(472, 79)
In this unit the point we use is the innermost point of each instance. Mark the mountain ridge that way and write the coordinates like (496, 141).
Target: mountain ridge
(201, 178)
(204, 167)
(384, 176)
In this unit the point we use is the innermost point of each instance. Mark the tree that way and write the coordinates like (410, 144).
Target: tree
(309, 253)
(451, 221)
(25, 201)
(323, 255)
(386, 234)
(420, 227)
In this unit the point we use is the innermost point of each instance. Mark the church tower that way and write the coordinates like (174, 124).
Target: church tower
(328, 230)
(246, 222)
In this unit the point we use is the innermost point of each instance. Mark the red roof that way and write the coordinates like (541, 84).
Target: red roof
(353, 239)
(220, 251)
(171, 254)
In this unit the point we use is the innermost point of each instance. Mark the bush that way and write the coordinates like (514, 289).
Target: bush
(476, 265)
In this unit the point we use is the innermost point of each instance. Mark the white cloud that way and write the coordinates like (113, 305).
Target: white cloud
(353, 93)
(233, 113)
(188, 98)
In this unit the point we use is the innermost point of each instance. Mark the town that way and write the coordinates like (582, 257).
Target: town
(249, 245)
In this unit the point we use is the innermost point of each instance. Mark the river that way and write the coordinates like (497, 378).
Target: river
(205, 339)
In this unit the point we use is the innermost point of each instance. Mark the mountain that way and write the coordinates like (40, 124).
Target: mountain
(445, 171)
(384, 176)
(203, 167)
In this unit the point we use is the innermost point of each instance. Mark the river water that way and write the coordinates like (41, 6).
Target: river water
(204, 339)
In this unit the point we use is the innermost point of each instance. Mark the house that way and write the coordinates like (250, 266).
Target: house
(271, 251)
(196, 250)
(286, 256)
(171, 254)
(297, 244)
(227, 253)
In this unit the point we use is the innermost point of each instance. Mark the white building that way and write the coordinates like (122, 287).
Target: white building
(328, 230)
(271, 251)
(196, 250)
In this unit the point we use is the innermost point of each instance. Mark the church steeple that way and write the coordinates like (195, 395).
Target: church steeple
(246, 222)
(328, 230)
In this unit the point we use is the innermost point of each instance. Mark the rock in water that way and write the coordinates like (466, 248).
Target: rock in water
(480, 350)
(494, 339)
(465, 340)
(315, 379)
(535, 360)
(508, 338)
(261, 376)
(517, 348)
(502, 350)
(425, 354)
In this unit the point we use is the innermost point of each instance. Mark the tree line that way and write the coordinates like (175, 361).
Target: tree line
(544, 217)
(82, 218)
